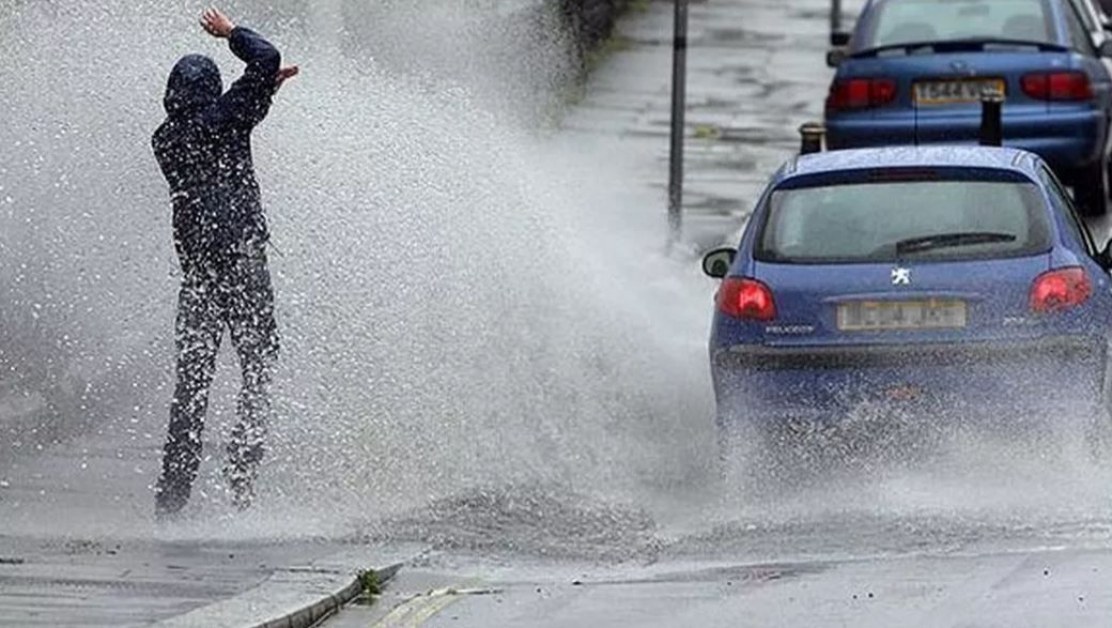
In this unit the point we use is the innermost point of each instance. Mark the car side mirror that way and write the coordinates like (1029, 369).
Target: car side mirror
(717, 263)
(839, 39)
(1104, 258)
(835, 57)
(1106, 49)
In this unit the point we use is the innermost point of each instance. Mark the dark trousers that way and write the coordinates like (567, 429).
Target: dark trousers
(240, 299)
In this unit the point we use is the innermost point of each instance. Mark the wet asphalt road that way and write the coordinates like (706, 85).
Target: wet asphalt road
(992, 534)
(1055, 589)
(1022, 548)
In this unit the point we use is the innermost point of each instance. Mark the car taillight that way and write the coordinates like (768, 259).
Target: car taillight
(1057, 86)
(860, 93)
(746, 298)
(1060, 289)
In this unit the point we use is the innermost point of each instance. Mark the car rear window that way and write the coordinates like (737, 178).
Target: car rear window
(882, 221)
(912, 21)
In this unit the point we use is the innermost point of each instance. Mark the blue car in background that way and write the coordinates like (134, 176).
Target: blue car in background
(934, 278)
(914, 71)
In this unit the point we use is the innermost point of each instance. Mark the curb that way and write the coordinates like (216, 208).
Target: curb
(314, 613)
(300, 596)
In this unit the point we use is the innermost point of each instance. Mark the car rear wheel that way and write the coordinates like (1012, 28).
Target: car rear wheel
(737, 445)
(1098, 437)
(745, 461)
(1091, 188)
(760, 459)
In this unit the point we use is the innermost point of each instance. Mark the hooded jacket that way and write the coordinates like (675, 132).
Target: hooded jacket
(204, 151)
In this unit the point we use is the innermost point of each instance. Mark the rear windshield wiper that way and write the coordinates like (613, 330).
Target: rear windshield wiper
(948, 240)
(960, 45)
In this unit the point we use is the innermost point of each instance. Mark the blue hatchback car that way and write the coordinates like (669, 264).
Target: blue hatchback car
(930, 277)
(914, 72)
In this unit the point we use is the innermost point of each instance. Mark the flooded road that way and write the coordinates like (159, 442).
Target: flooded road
(486, 351)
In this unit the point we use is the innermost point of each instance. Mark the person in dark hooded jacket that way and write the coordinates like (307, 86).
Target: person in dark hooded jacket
(220, 234)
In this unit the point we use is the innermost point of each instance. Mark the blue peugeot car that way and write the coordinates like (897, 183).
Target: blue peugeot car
(932, 278)
(914, 72)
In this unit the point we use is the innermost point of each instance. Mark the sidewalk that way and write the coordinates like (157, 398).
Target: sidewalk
(94, 583)
(756, 71)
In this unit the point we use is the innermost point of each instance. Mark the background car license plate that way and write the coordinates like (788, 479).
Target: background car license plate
(884, 315)
(956, 91)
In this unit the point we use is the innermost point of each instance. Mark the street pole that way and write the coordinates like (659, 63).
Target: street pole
(835, 16)
(679, 97)
(992, 123)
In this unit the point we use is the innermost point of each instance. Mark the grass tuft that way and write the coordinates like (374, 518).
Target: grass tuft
(371, 583)
(707, 132)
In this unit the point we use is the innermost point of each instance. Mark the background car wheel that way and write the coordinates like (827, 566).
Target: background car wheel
(1091, 189)
(1108, 170)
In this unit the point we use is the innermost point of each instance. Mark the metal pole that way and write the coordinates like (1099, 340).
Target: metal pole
(835, 16)
(679, 97)
(810, 137)
(992, 123)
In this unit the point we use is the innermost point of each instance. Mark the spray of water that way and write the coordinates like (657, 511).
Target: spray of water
(468, 302)
(463, 301)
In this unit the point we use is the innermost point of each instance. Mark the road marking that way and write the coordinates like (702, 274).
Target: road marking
(421, 608)
(430, 610)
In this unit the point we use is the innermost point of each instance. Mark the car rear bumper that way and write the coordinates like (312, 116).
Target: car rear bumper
(1038, 376)
(1067, 140)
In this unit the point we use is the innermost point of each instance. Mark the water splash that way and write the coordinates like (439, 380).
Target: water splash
(462, 299)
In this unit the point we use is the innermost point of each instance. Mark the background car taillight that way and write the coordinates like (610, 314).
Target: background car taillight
(1060, 289)
(860, 93)
(746, 298)
(1066, 86)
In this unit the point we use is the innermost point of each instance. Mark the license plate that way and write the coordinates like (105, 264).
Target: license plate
(955, 91)
(886, 315)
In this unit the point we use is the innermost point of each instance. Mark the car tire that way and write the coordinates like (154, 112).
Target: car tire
(747, 454)
(761, 458)
(1108, 169)
(1091, 189)
(736, 447)
(1098, 438)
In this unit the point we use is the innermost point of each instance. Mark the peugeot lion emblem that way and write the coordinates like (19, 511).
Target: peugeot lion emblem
(901, 276)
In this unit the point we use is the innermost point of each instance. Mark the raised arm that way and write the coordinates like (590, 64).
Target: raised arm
(248, 100)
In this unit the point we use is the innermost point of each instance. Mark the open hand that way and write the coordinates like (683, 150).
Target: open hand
(216, 23)
(285, 73)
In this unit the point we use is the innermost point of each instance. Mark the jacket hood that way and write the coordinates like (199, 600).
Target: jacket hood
(194, 83)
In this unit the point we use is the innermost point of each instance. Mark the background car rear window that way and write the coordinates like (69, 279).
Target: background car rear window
(909, 21)
(865, 222)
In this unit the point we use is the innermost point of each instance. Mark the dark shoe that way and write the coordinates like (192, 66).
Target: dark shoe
(168, 504)
(241, 485)
(243, 494)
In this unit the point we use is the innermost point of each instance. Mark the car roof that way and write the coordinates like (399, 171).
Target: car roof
(933, 156)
